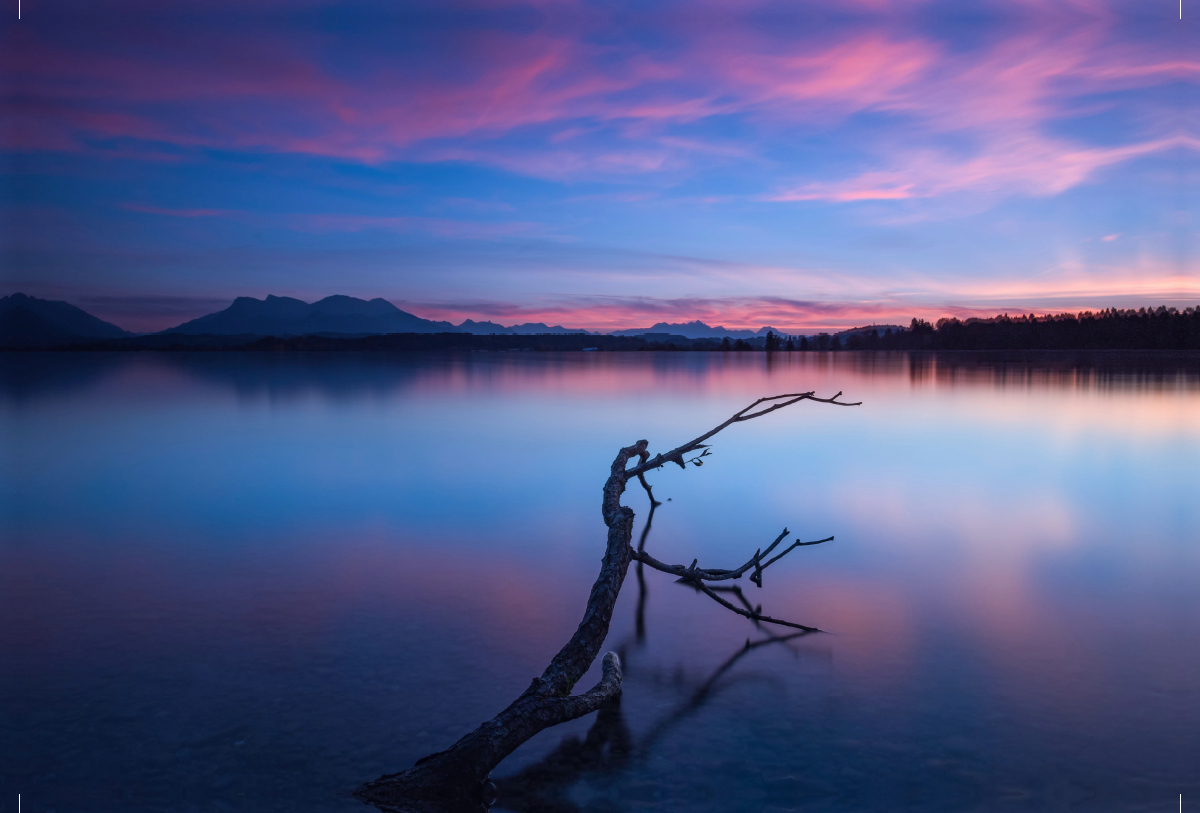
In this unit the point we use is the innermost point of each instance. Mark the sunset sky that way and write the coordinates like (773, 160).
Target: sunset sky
(603, 165)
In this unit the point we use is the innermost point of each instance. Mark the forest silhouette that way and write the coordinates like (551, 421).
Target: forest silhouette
(1145, 329)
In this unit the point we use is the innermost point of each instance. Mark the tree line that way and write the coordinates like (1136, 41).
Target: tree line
(1159, 328)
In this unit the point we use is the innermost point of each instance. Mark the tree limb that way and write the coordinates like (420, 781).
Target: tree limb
(753, 615)
(676, 454)
(693, 573)
(457, 777)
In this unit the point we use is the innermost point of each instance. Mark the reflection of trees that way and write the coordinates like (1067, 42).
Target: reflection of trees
(608, 747)
(282, 377)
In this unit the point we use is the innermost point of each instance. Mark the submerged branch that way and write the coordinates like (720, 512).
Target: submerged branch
(693, 573)
(753, 615)
(457, 778)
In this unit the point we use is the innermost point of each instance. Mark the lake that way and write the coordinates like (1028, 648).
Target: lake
(251, 582)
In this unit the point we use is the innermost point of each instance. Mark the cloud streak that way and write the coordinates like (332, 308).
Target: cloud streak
(606, 313)
(550, 101)
(815, 151)
(1033, 167)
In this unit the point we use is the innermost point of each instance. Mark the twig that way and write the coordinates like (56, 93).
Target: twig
(758, 562)
(640, 617)
(696, 577)
(650, 493)
(676, 454)
(751, 614)
(693, 573)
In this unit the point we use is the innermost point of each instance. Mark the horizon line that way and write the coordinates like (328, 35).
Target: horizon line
(613, 316)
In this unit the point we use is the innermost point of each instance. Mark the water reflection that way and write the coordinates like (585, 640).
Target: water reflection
(609, 746)
(31, 376)
(233, 581)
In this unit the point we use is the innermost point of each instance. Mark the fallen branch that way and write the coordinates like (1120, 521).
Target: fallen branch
(693, 573)
(457, 778)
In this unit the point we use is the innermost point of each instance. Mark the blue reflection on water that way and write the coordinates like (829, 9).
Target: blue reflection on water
(235, 581)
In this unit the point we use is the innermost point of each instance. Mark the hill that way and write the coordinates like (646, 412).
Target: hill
(284, 316)
(26, 321)
(486, 328)
(697, 330)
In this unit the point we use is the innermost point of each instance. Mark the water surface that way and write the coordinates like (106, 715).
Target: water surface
(251, 582)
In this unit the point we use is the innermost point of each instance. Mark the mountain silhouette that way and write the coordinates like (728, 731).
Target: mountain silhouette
(485, 328)
(26, 321)
(284, 316)
(697, 330)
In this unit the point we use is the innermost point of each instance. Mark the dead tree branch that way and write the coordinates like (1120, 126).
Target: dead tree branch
(693, 573)
(456, 779)
(747, 414)
(696, 577)
(753, 615)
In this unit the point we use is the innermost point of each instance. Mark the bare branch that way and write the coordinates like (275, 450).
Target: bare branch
(608, 687)
(693, 573)
(640, 617)
(457, 777)
(756, 577)
(696, 577)
(753, 615)
(733, 588)
(741, 597)
(676, 454)
(649, 493)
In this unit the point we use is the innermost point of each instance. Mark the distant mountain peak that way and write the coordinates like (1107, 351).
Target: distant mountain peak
(286, 316)
(26, 321)
(695, 329)
(471, 326)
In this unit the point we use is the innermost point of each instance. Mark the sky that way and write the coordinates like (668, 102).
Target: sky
(605, 165)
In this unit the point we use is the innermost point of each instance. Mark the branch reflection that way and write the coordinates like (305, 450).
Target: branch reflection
(609, 747)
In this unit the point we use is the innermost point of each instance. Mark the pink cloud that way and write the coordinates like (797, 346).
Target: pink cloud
(1039, 166)
(557, 82)
(855, 74)
(623, 313)
(847, 302)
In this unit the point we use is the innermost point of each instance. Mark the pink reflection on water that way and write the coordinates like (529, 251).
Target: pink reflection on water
(1012, 539)
(148, 596)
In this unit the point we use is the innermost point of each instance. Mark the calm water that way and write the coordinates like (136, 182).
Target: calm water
(249, 583)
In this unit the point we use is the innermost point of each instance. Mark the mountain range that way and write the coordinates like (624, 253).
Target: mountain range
(484, 328)
(698, 330)
(26, 321)
(284, 316)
